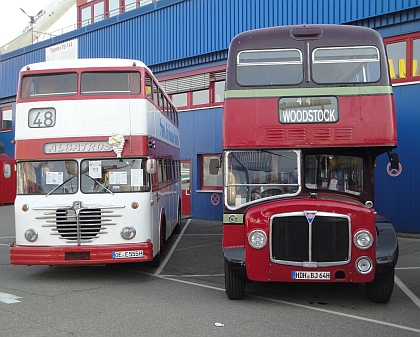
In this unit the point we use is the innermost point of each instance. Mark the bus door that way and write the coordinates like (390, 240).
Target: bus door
(186, 187)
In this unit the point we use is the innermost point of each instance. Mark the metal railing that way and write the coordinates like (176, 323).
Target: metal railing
(47, 35)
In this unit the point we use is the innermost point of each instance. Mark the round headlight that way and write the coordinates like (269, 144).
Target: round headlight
(31, 234)
(128, 232)
(257, 239)
(363, 239)
(364, 265)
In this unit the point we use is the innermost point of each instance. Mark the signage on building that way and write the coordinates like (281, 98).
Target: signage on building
(63, 51)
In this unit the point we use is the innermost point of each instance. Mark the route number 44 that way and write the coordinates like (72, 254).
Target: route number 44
(305, 101)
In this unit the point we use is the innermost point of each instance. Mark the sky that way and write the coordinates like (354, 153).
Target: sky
(13, 20)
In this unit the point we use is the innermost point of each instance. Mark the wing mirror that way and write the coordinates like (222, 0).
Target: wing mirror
(151, 165)
(393, 159)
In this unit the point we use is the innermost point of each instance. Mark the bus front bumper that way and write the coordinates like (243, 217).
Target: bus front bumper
(81, 255)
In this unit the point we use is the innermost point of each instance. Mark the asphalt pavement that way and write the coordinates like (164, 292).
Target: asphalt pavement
(185, 296)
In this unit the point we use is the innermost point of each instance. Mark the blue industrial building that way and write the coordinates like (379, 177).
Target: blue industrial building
(185, 43)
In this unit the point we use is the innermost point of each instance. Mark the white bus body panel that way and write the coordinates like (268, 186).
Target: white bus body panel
(140, 219)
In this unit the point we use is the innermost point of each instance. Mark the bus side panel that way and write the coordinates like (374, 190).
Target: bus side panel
(233, 236)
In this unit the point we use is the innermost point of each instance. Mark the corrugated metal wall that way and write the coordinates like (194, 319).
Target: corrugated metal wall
(172, 34)
(201, 133)
(9, 70)
(396, 197)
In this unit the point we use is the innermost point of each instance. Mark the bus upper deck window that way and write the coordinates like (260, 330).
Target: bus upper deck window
(51, 85)
(110, 83)
(346, 65)
(269, 67)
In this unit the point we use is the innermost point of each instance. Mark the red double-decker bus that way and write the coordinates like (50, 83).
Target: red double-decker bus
(307, 111)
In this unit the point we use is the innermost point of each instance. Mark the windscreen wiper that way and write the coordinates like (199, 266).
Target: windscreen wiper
(277, 154)
(97, 182)
(57, 187)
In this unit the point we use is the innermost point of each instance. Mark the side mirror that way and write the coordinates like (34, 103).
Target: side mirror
(7, 170)
(151, 165)
(214, 166)
(393, 159)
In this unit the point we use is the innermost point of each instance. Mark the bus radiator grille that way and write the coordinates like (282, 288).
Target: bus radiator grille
(325, 241)
(83, 226)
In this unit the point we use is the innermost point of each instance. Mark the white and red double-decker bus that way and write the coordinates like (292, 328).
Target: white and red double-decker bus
(98, 171)
(307, 111)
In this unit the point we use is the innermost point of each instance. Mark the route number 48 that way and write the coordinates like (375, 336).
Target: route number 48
(41, 118)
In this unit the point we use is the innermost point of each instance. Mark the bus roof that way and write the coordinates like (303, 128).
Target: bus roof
(285, 36)
(84, 63)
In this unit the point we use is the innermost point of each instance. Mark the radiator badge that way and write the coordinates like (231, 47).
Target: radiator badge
(310, 216)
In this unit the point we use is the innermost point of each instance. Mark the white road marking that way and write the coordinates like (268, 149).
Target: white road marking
(6, 237)
(163, 264)
(397, 281)
(197, 275)
(402, 327)
(341, 314)
(9, 298)
(407, 291)
(407, 268)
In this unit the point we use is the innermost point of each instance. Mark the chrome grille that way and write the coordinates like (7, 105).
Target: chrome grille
(86, 225)
(323, 242)
(79, 223)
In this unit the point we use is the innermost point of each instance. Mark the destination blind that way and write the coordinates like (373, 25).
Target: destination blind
(299, 110)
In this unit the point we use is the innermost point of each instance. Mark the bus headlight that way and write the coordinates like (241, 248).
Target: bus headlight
(363, 239)
(31, 234)
(257, 239)
(128, 232)
(364, 265)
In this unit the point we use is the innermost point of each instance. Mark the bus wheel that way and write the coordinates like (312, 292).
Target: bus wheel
(177, 228)
(156, 261)
(234, 284)
(380, 291)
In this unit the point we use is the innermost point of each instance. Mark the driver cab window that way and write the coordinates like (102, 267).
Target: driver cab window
(332, 172)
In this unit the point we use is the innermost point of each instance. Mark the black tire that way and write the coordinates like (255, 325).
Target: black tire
(177, 228)
(162, 234)
(234, 284)
(380, 291)
(156, 261)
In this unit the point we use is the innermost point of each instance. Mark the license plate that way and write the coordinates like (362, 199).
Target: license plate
(310, 275)
(128, 254)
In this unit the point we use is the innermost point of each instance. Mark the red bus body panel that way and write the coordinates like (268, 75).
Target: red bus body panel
(33, 149)
(7, 184)
(364, 121)
(56, 255)
(259, 267)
